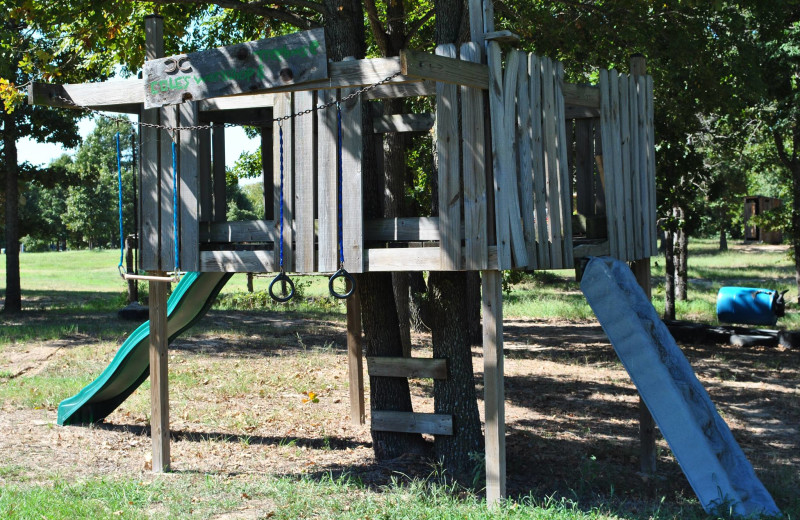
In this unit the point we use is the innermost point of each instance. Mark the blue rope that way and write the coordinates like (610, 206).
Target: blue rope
(280, 134)
(339, 182)
(175, 206)
(119, 183)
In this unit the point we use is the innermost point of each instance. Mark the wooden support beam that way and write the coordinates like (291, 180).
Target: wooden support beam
(189, 234)
(504, 36)
(233, 232)
(416, 368)
(444, 69)
(123, 96)
(404, 228)
(218, 171)
(414, 258)
(493, 383)
(159, 377)
(355, 371)
(237, 262)
(403, 123)
(581, 95)
(411, 422)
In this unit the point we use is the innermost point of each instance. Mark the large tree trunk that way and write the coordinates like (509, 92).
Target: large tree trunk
(13, 300)
(681, 246)
(456, 394)
(795, 169)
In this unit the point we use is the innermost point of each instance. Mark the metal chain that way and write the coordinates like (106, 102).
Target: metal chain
(261, 122)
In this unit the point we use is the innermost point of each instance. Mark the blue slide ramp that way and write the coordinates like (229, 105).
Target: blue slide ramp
(189, 302)
(709, 456)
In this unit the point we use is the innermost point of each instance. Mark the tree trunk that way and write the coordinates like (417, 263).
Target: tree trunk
(417, 305)
(795, 169)
(456, 394)
(13, 300)
(382, 338)
(681, 246)
(249, 282)
(472, 302)
(723, 237)
(669, 277)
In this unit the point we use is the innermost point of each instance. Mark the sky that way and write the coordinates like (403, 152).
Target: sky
(40, 154)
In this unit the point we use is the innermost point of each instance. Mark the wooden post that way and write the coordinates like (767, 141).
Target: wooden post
(641, 269)
(150, 200)
(354, 359)
(218, 171)
(159, 384)
(493, 383)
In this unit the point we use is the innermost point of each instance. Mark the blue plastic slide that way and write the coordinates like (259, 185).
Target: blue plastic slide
(703, 445)
(189, 302)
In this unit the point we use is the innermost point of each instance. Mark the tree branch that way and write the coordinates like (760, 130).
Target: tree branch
(378, 31)
(416, 26)
(780, 146)
(258, 9)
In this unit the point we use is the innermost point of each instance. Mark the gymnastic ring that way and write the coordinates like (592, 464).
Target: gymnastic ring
(347, 276)
(281, 277)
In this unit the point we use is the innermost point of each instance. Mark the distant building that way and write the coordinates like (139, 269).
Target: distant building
(755, 205)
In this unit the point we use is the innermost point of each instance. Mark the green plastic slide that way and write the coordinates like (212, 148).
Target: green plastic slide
(189, 302)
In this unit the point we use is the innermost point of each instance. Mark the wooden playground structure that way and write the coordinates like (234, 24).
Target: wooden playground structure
(533, 173)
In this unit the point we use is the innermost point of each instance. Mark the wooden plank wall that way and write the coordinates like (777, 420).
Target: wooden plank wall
(628, 159)
(286, 154)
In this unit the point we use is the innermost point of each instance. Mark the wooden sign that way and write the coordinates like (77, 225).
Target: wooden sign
(236, 69)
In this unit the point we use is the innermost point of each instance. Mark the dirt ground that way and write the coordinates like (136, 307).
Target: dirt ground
(238, 387)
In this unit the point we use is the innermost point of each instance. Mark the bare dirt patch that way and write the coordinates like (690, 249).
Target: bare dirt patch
(239, 383)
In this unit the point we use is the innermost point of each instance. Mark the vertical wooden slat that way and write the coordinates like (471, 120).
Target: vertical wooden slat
(355, 371)
(539, 171)
(549, 136)
(651, 174)
(502, 230)
(476, 21)
(204, 175)
(159, 377)
(218, 171)
(636, 188)
(617, 179)
(189, 189)
(564, 184)
(474, 155)
(169, 117)
(648, 227)
(493, 383)
(607, 156)
(508, 158)
(449, 169)
(150, 160)
(305, 163)
(352, 186)
(584, 163)
(326, 183)
(626, 177)
(524, 139)
(283, 107)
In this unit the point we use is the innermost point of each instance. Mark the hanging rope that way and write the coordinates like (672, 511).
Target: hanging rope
(281, 277)
(342, 272)
(121, 233)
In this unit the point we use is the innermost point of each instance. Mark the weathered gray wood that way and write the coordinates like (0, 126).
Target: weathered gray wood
(576, 112)
(150, 160)
(641, 158)
(326, 184)
(159, 377)
(237, 262)
(401, 90)
(449, 166)
(414, 258)
(218, 171)
(114, 96)
(636, 178)
(169, 117)
(564, 184)
(352, 187)
(204, 175)
(189, 190)
(508, 158)
(581, 95)
(503, 36)
(415, 368)
(627, 174)
(244, 67)
(525, 160)
(606, 161)
(618, 179)
(304, 173)
(232, 232)
(551, 159)
(247, 101)
(584, 167)
(502, 225)
(651, 163)
(355, 371)
(403, 123)
(286, 154)
(411, 422)
(493, 383)
(475, 21)
(444, 68)
(538, 164)
(406, 228)
(599, 193)
(474, 168)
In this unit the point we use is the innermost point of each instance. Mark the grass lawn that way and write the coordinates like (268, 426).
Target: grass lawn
(247, 444)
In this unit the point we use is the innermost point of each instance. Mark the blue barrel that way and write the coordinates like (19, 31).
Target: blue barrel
(749, 306)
